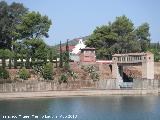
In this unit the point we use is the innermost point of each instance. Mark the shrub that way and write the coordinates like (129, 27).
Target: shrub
(4, 74)
(94, 76)
(48, 71)
(66, 66)
(92, 73)
(63, 79)
(73, 74)
(38, 69)
(24, 74)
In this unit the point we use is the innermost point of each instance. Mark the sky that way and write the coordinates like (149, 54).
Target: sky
(78, 18)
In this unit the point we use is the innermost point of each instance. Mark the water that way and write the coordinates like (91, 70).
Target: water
(83, 108)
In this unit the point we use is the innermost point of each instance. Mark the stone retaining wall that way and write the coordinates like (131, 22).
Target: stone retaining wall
(37, 86)
(34, 86)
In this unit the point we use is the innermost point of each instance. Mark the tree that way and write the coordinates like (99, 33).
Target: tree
(119, 36)
(126, 37)
(48, 71)
(32, 29)
(67, 52)
(155, 49)
(15, 45)
(50, 56)
(61, 56)
(66, 58)
(143, 36)
(5, 54)
(55, 56)
(18, 25)
(10, 17)
(4, 74)
(19, 52)
(36, 50)
(34, 26)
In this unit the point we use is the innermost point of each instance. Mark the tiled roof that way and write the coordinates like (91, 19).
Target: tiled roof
(88, 48)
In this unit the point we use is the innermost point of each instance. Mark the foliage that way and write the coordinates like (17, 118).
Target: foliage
(18, 25)
(92, 73)
(5, 53)
(50, 55)
(66, 66)
(67, 53)
(156, 54)
(119, 36)
(63, 79)
(36, 49)
(155, 49)
(10, 17)
(73, 74)
(143, 36)
(61, 57)
(19, 52)
(34, 25)
(4, 74)
(24, 74)
(38, 69)
(48, 71)
(53, 54)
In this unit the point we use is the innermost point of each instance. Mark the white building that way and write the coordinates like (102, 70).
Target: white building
(74, 54)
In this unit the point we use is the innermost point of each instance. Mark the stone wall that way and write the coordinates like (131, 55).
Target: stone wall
(33, 86)
(137, 84)
(146, 84)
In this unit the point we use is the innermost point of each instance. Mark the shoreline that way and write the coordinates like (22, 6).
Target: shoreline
(75, 93)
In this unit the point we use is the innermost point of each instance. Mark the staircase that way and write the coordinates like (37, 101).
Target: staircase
(119, 79)
(122, 84)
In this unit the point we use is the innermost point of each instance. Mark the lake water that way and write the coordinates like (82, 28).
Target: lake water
(82, 108)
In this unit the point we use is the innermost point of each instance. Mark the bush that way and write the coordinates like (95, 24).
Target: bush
(48, 71)
(63, 79)
(73, 74)
(92, 73)
(66, 66)
(4, 74)
(24, 74)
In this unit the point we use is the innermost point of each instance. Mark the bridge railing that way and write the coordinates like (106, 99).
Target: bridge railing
(129, 59)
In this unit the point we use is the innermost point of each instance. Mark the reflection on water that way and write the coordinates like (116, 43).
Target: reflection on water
(86, 108)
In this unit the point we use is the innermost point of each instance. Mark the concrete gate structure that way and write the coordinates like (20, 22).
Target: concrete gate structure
(146, 60)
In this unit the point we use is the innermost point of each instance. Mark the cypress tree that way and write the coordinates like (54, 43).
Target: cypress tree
(67, 52)
(51, 56)
(61, 59)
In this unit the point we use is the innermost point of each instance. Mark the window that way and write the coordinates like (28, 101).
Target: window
(87, 56)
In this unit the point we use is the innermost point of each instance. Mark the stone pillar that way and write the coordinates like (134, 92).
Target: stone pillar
(114, 67)
(114, 71)
(148, 66)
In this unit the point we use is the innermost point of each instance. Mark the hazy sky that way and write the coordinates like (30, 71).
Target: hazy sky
(78, 18)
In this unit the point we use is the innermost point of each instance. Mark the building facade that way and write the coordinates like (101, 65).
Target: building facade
(88, 55)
